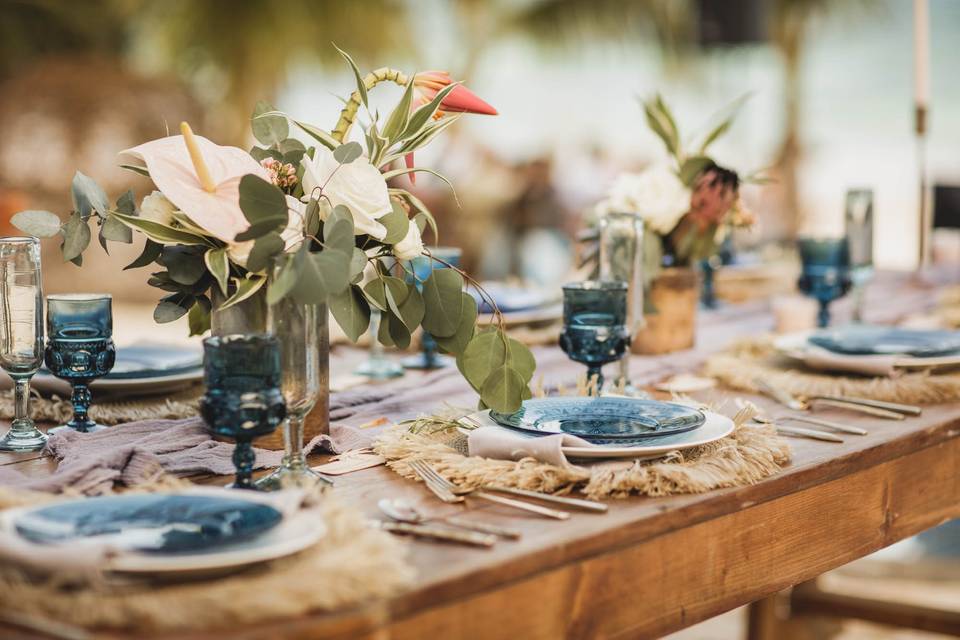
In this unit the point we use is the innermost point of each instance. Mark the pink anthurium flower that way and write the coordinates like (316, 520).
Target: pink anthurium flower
(460, 100)
(202, 179)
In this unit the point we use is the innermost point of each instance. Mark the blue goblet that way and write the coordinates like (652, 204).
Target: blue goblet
(80, 348)
(418, 270)
(595, 324)
(825, 275)
(244, 399)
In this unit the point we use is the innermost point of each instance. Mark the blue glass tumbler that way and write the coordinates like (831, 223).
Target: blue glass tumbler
(244, 399)
(418, 270)
(595, 329)
(825, 273)
(80, 348)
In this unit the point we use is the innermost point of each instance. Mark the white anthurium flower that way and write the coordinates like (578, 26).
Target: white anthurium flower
(156, 208)
(211, 201)
(411, 246)
(358, 185)
(292, 234)
(657, 194)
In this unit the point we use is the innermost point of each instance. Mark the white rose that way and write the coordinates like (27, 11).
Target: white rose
(156, 208)
(358, 185)
(657, 195)
(411, 246)
(292, 234)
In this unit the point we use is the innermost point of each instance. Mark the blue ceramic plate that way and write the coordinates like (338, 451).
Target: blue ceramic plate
(159, 524)
(879, 340)
(602, 420)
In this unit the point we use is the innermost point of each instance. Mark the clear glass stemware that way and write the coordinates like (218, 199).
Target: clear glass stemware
(296, 327)
(21, 334)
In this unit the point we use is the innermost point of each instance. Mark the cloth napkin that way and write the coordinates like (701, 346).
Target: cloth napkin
(133, 453)
(877, 366)
(504, 444)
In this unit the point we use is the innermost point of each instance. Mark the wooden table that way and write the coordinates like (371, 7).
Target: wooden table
(655, 565)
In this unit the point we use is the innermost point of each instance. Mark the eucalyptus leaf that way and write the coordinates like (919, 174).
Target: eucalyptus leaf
(484, 353)
(347, 152)
(127, 203)
(284, 282)
(184, 264)
(383, 330)
(173, 307)
(411, 310)
(338, 230)
(264, 249)
(351, 311)
(358, 262)
(88, 196)
(503, 390)
(42, 224)
(456, 343)
(312, 215)
(443, 302)
(267, 128)
(76, 237)
(218, 264)
(322, 274)
(151, 251)
(399, 332)
(520, 358)
(115, 231)
(263, 204)
(260, 154)
(375, 291)
(396, 223)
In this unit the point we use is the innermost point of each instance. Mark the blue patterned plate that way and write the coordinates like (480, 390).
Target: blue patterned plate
(602, 420)
(879, 340)
(150, 523)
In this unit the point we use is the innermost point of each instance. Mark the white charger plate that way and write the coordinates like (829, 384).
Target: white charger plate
(295, 533)
(796, 346)
(715, 428)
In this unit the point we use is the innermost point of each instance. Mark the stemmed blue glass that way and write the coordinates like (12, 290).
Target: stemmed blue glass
(243, 399)
(418, 270)
(80, 348)
(825, 274)
(21, 334)
(595, 328)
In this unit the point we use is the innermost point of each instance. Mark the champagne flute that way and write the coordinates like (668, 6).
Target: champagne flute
(296, 327)
(21, 334)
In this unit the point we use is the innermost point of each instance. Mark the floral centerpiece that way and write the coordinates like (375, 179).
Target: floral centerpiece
(688, 204)
(288, 219)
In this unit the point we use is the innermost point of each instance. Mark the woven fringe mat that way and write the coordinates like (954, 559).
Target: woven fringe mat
(749, 454)
(752, 359)
(181, 404)
(350, 566)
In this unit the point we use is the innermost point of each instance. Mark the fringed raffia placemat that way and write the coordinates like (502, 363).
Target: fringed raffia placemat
(755, 359)
(749, 454)
(181, 404)
(352, 565)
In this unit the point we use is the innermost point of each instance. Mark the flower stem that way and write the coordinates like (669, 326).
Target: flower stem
(349, 113)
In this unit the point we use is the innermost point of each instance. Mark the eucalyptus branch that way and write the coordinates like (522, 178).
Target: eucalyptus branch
(498, 315)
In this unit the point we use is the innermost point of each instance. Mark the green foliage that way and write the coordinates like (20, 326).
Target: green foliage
(76, 237)
(42, 224)
(151, 251)
(443, 302)
(88, 197)
(351, 310)
(218, 264)
(268, 128)
(264, 206)
(347, 152)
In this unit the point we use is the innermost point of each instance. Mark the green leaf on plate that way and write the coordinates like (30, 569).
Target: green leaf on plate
(443, 302)
(351, 310)
(42, 224)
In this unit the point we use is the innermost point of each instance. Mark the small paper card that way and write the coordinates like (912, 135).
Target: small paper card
(350, 463)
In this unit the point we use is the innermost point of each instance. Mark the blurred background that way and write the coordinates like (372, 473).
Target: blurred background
(830, 105)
